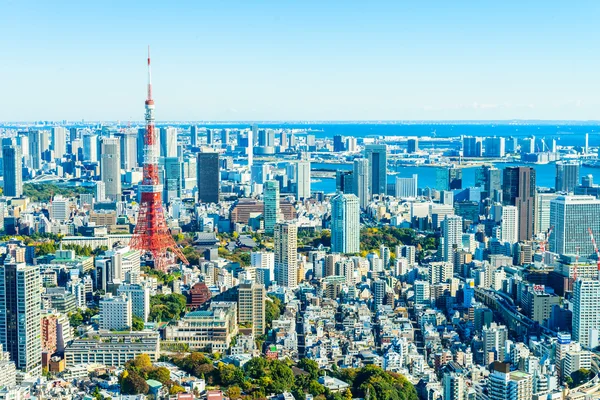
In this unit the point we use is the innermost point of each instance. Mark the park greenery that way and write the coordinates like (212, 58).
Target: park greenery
(167, 307)
(82, 317)
(45, 191)
(139, 370)
(260, 377)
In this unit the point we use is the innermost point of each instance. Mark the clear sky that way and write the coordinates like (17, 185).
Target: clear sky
(300, 60)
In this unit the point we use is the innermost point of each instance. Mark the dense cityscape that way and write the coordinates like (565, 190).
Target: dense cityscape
(187, 261)
(316, 200)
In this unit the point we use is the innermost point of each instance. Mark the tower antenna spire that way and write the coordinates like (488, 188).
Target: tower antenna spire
(152, 235)
(149, 76)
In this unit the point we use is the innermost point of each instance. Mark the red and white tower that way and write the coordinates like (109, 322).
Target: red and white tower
(151, 234)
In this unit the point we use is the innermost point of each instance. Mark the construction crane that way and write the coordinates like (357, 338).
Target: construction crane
(596, 250)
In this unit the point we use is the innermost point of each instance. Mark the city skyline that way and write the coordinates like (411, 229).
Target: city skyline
(309, 61)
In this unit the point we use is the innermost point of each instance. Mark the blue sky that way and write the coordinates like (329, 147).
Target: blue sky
(300, 60)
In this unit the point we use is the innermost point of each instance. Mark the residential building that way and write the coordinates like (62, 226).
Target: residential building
(251, 306)
(286, 255)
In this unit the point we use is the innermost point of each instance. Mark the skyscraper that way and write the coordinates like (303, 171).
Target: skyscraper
(412, 145)
(361, 181)
(141, 133)
(168, 142)
(20, 320)
(472, 146)
(542, 211)
(110, 168)
(35, 149)
(59, 141)
(250, 146)
(128, 147)
(510, 224)
(452, 230)
(271, 200)
(251, 306)
(495, 147)
(173, 180)
(13, 172)
(208, 177)
(377, 156)
(567, 176)
(586, 319)
(90, 148)
(406, 187)
(338, 143)
(303, 179)
(571, 216)
(345, 224)
(286, 255)
(344, 181)
(518, 189)
(194, 135)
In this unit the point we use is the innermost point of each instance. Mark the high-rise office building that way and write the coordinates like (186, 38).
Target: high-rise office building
(571, 216)
(173, 179)
(168, 142)
(73, 134)
(303, 179)
(141, 142)
(472, 146)
(59, 141)
(541, 222)
(20, 319)
(272, 210)
(194, 136)
(286, 255)
(567, 176)
(452, 231)
(345, 224)
(90, 148)
(344, 181)
(35, 149)
(406, 187)
(412, 145)
(208, 177)
(495, 147)
(518, 189)
(377, 156)
(510, 224)
(448, 178)
(361, 181)
(13, 171)
(250, 147)
(338, 143)
(210, 136)
(110, 168)
(491, 183)
(586, 319)
(128, 148)
(251, 306)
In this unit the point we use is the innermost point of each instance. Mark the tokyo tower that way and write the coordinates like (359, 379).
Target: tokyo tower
(151, 234)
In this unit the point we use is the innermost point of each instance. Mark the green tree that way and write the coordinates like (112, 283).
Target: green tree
(161, 374)
(133, 383)
(45, 248)
(137, 323)
(581, 376)
(75, 319)
(315, 388)
(234, 393)
(273, 309)
(176, 389)
(310, 366)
